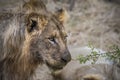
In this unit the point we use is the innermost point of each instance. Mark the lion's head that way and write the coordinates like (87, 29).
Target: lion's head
(47, 40)
(40, 39)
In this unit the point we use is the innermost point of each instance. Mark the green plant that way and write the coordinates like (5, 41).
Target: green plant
(113, 55)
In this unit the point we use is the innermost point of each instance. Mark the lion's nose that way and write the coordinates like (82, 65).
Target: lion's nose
(66, 57)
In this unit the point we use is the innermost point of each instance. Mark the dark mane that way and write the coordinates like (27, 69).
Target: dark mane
(12, 46)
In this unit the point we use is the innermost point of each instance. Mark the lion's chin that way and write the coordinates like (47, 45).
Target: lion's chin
(54, 68)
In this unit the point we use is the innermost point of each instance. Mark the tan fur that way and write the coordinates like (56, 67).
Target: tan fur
(89, 72)
(92, 77)
(34, 5)
(62, 15)
(28, 41)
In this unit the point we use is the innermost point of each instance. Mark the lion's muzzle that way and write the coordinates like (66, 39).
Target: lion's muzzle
(66, 57)
(58, 61)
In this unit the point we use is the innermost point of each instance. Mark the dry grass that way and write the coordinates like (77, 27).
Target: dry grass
(94, 21)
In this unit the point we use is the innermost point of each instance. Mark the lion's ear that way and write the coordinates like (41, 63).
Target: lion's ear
(35, 22)
(62, 15)
(31, 24)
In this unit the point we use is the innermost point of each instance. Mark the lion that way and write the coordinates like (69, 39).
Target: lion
(33, 36)
(101, 71)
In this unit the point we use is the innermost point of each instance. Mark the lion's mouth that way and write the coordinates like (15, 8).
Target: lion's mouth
(54, 67)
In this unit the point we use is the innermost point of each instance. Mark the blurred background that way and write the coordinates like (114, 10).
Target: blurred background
(94, 21)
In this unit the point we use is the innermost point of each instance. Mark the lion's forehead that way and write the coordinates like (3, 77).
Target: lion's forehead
(55, 28)
(57, 33)
(50, 22)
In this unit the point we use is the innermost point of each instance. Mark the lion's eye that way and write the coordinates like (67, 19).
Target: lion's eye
(52, 40)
